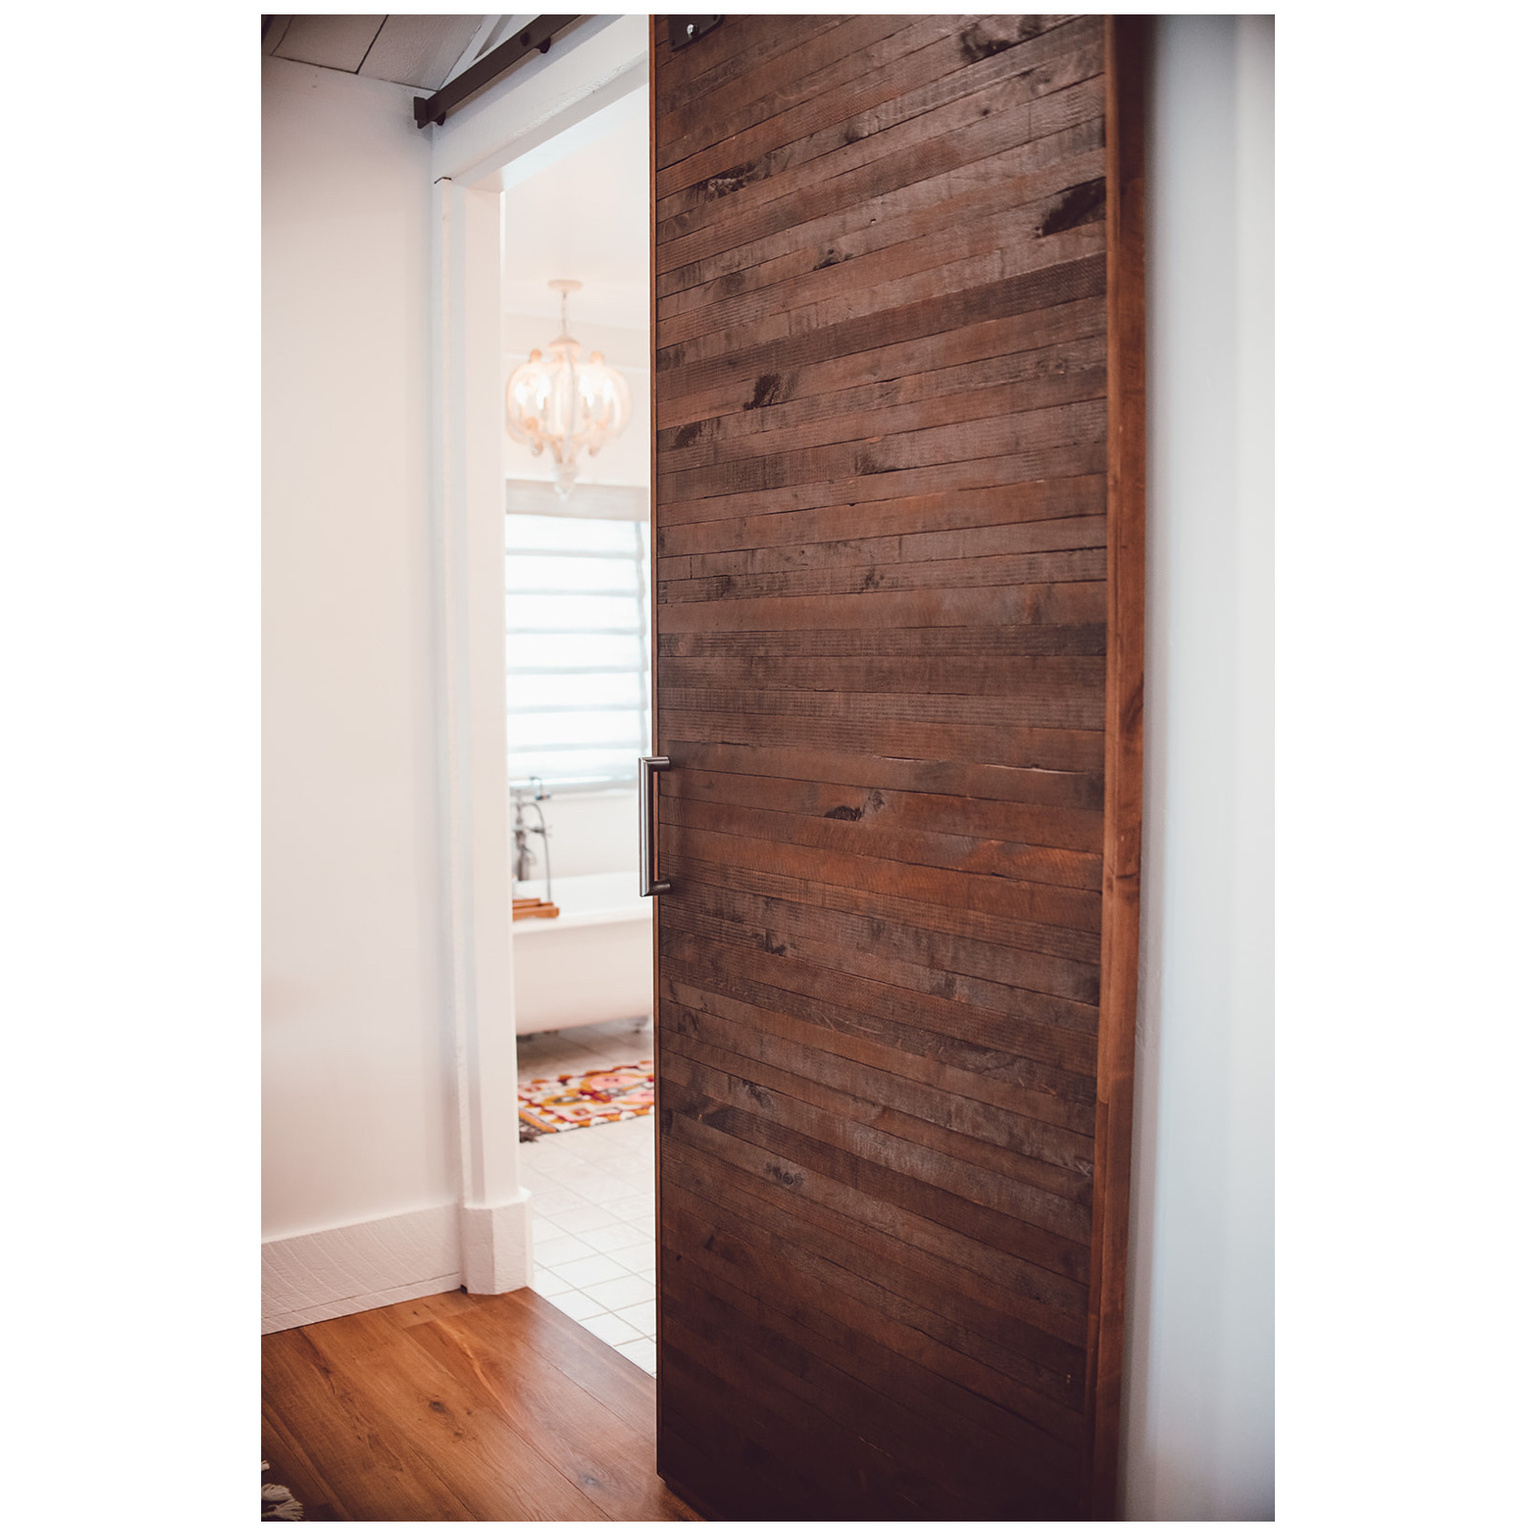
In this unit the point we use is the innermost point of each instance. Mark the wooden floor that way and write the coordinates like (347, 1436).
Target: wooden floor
(460, 1407)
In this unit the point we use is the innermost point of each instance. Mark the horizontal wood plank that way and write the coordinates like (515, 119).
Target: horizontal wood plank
(1005, 1075)
(940, 920)
(881, 553)
(1044, 187)
(906, 229)
(896, 298)
(1042, 287)
(724, 1471)
(975, 608)
(873, 1331)
(874, 485)
(983, 351)
(921, 66)
(1050, 707)
(1059, 373)
(958, 1009)
(858, 578)
(1011, 433)
(852, 1379)
(928, 651)
(778, 1123)
(981, 1107)
(1002, 1297)
(738, 1434)
(986, 976)
(905, 1106)
(1019, 900)
(719, 62)
(1071, 752)
(975, 128)
(892, 858)
(889, 808)
(784, 54)
(960, 1033)
(986, 1107)
(767, 1353)
(976, 781)
(889, 840)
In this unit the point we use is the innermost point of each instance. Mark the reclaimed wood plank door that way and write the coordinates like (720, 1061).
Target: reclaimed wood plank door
(898, 563)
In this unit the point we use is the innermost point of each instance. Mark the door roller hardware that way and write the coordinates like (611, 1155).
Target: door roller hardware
(682, 30)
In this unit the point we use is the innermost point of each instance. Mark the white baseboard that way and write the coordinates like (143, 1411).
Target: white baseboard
(317, 1275)
(350, 1269)
(351, 1304)
(496, 1247)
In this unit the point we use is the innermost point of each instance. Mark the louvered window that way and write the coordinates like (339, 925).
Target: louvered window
(578, 649)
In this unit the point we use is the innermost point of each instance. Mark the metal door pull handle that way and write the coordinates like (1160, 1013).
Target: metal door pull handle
(650, 882)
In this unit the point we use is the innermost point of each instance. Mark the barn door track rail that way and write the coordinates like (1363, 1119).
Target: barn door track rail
(483, 73)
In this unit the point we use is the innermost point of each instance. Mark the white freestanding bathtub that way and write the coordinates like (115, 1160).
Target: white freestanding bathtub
(590, 965)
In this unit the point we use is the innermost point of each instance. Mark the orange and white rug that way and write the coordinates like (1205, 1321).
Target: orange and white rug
(577, 1099)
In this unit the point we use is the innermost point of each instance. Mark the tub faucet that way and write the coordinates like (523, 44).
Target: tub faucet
(523, 869)
(524, 858)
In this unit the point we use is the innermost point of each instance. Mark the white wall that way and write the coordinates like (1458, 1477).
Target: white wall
(366, 1200)
(1199, 1408)
(592, 833)
(356, 1090)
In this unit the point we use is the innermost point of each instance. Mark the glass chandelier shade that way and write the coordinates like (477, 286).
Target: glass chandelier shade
(563, 404)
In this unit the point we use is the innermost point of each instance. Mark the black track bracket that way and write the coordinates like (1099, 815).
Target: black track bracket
(682, 30)
(534, 38)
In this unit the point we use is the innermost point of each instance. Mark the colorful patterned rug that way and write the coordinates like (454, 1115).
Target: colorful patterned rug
(577, 1099)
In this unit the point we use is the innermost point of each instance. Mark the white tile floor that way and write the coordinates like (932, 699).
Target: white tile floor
(593, 1195)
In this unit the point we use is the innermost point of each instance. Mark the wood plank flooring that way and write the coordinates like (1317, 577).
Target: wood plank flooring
(459, 1407)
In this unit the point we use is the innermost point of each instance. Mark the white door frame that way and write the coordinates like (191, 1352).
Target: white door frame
(598, 62)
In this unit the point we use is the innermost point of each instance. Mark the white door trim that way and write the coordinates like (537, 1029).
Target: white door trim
(494, 1242)
(473, 158)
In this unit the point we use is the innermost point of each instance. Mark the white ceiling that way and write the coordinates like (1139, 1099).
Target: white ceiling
(420, 51)
(583, 210)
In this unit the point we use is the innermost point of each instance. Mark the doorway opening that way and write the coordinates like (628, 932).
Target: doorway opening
(576, 233)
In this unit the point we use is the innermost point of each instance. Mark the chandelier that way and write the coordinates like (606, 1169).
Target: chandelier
(563, 404)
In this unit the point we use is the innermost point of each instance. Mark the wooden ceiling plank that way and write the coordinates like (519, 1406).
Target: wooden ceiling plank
(331, 42)
(419, 51)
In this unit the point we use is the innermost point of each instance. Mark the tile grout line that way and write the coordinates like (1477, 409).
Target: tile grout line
(604, 1190)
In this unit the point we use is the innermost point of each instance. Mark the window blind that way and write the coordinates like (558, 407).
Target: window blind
(578, 649)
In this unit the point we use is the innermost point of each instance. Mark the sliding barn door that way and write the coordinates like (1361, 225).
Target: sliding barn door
(898, 666)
